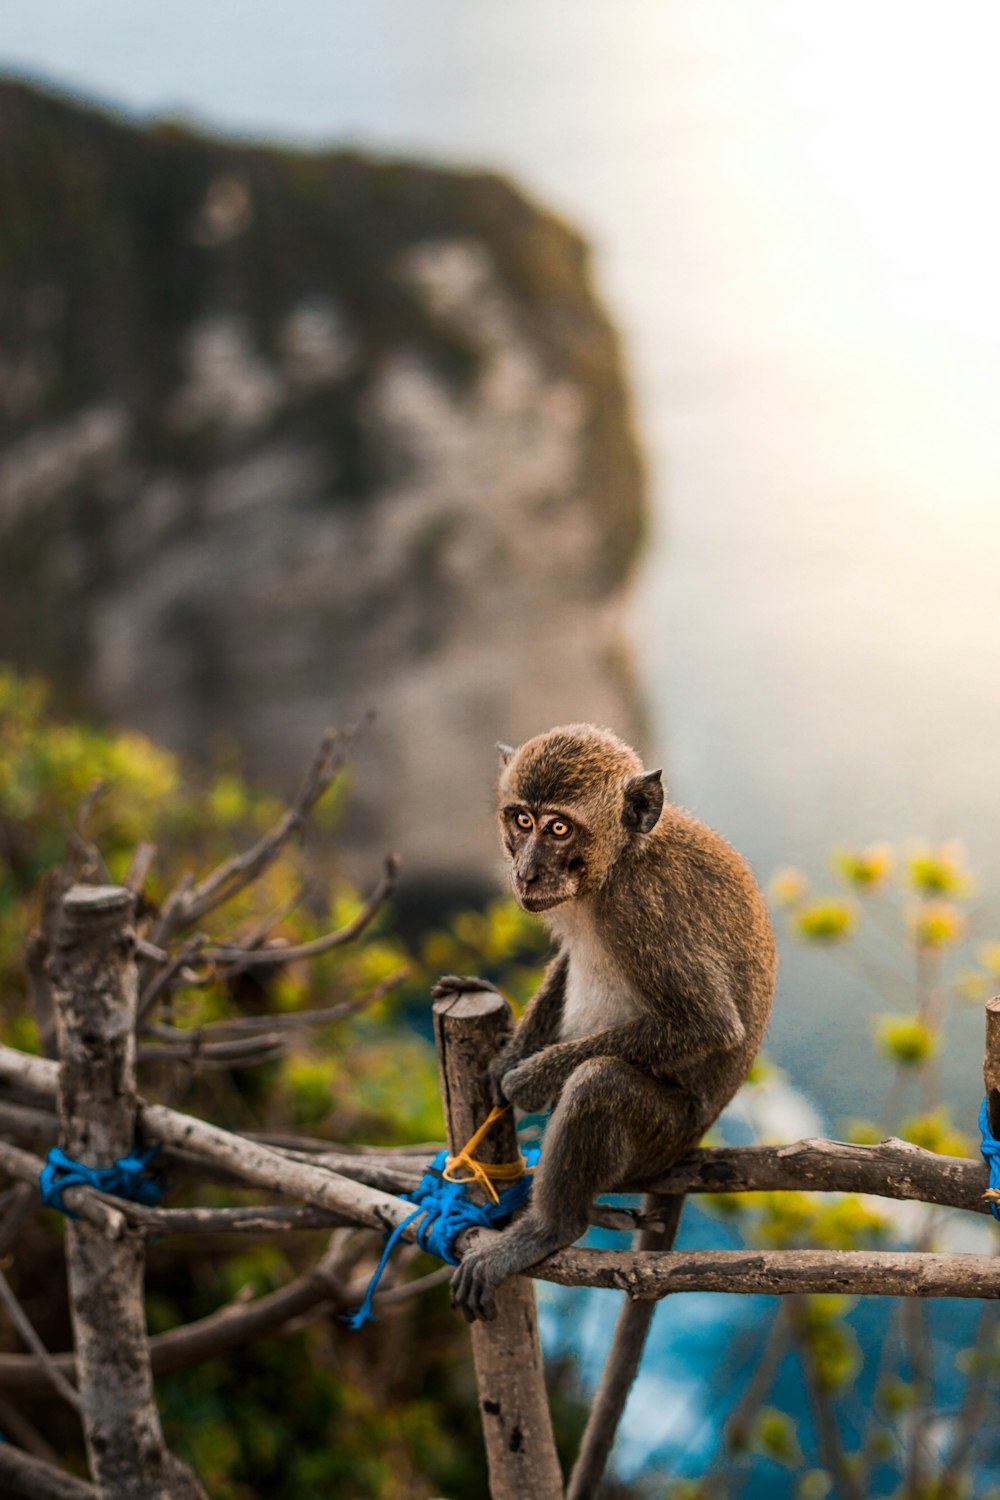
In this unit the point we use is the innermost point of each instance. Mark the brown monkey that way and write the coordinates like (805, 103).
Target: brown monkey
(649, 1017)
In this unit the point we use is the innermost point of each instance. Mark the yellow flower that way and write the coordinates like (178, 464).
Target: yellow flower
(937, 924)
(864, 868)
(940, 871)
(988, 954)
(788, 886)
(972, 985)
(935, 1132)
(905, 1040)
(825, 921)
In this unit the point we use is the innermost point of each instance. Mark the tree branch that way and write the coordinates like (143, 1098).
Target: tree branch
(25, 1478)
(235, 960)
(891, 1169)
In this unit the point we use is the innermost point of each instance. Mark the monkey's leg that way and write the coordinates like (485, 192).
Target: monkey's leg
(611, 1124)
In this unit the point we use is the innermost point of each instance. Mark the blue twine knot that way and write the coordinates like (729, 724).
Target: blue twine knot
(447, 1210)
(990, 1147)
(124, 1180)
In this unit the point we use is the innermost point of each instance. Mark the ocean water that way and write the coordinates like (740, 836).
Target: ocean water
(794, 227)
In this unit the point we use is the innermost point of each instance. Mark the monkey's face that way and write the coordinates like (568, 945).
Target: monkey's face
(547, 848)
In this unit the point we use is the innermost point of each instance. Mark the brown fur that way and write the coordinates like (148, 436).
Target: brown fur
(666, 956)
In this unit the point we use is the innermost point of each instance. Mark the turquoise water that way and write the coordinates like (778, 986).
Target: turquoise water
(790, 228)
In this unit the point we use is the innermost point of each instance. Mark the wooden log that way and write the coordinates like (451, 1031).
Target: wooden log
(891, 1169)
(93, 975)
(517, 1427)
(991, 1064)
(850, 1273)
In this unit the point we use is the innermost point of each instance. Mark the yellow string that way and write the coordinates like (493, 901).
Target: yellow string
(483, 1172)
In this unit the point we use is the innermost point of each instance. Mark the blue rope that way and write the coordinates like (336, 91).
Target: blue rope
(447, 1210)
(990, 1147)
(124, 1180)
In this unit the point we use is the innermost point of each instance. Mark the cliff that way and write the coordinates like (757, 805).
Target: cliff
(287, 435)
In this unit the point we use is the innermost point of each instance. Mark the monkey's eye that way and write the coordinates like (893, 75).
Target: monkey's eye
(560, 829)
(523, 821)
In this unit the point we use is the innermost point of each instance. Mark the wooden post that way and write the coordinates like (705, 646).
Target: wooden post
(991, 1064)
(93, 976)
(517, 1427)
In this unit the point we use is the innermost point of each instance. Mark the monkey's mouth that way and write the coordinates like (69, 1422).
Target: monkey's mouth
(539, 901)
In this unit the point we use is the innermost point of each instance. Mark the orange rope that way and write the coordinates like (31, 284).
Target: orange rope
(482, 1172)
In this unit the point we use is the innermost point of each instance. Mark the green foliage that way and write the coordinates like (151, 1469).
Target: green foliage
(921, 896)
(833, 1348)
(784, 1220)
(773, 1435)
(502, 940)
(934, 1131)
(895, 1396)
(384, 1415)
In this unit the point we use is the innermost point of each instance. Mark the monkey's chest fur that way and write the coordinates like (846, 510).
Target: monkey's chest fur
(596, 994)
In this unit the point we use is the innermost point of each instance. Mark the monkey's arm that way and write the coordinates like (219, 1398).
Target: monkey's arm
(538, 1027)
(675, 1035)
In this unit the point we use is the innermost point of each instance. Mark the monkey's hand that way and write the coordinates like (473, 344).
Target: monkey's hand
(528, 1084)
(474, 1284)
(497, 1072)
(450, 985)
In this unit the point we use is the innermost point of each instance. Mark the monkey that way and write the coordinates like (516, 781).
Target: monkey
(650, 1014)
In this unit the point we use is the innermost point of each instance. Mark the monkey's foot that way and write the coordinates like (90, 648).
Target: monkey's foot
(457, 984)
(474, 1284)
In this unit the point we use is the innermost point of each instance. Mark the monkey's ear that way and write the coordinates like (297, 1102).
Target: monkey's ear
(643, 801)
(506, 751)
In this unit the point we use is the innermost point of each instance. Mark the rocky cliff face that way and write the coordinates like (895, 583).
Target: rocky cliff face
(286, 436)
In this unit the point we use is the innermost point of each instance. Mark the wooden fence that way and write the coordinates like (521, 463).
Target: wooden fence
(104, 983)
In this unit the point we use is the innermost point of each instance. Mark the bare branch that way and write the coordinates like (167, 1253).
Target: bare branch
(621, 1364)
(274, 1219)
(230, 1327)
(972, 1413)
(824, 1415)
(28, 1125)
(16, 1428)
(892, 1169)
(264, 928)
(167, 976)
(104, 1213)
(850, 1273)
(18, 1209)
(762, 1377)
(23, 1324)
(283, 1020)
(243, 869)
(233, 960)
(25, 1478)
(91, 867)
(139, 868)
(234, 1054)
